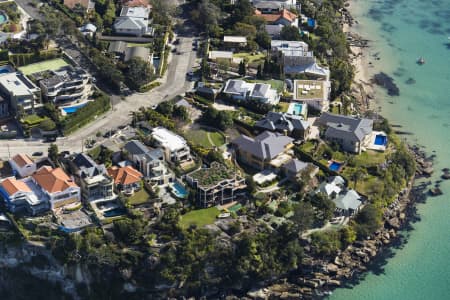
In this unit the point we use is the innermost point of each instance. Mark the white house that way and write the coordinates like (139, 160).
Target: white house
(175, 147)
(22, 195)
(241, 90)
(133, 21)
(23, 165)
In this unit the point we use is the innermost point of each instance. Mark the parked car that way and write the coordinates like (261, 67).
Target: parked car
(38, 153)
(176, 42)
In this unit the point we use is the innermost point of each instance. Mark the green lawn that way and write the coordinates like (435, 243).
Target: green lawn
(200, 217)
(369, 158)
(276, 84)
(146, 45)
(200, 137)
(283, 106)
(52, 64)
(33, 120)
(250, 58)
(139, 197)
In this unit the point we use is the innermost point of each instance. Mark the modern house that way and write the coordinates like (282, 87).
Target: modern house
(296, 59)
(20, 92)
(315, 93)
(271, 6)
(351, 133)
(66, 85)
(332, 187)
(216, 185)
(240, 90)
(22, 165)
(174, 146)
(23, 195)
(292, 125)
(149, 162)
(133, 21)
(265, 150)
(126, 179)
(295, 169)
(60, 189)
(283, 17)
(93, 178)
(81, 6)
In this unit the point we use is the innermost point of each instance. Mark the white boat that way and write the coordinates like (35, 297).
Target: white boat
(421, 61)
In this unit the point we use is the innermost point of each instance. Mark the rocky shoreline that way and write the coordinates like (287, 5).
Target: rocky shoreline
(320, 277)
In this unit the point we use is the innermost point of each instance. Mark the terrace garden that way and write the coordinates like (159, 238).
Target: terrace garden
(309, 90)
(210, 176)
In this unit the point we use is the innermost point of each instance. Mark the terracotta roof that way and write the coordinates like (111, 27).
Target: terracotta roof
(53, 180)
(125, 175)
(22, 160)
(270, 18)
(12, 186)
(134, 3)
(71, 3)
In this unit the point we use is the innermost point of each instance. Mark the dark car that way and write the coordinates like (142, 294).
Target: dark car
(38, 153)
(177, 41)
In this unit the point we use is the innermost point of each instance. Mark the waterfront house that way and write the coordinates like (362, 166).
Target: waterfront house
(133, 21)
(295, 169)
(23, 195)
(216, 185)
(93, 178)
(80, 6)
(241, 90)
(126, 179)
(60, 189)
(150, 162)
(273, 6)
(332, 187)
(283, 17)
(175, 147)
(315, 93)
(348, 202)
(350, 133)
(265, 150)
(22, 165)
(292, 125)
(66, 85)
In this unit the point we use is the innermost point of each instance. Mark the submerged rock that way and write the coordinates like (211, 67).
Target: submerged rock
(387, 82)
(435, 191)
(410, 81)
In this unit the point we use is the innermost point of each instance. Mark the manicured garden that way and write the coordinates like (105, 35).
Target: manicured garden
(139, 197)
(205, 138)
(276, 84)
(199, 218)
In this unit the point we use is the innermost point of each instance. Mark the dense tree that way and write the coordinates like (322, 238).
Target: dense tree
(290, 33)
(139, 72)
(242, 68)
(326, 243)
(263, 39)
(303, 216)
(367, 221)
(53, 152)
(47, 125)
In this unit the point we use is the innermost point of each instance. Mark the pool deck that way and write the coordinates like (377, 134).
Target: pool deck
(372, 145)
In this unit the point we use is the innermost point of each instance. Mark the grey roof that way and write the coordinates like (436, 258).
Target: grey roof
(295, 165)
(134, 147)
(346, 127)
(349, 200)
(282, 121)
(260, 90)
(138, 51)
(117, 47)
(267, 145)
(184, 103)
(67, 74)
(129, 23)
(235, 86)
(87, 167)
(273, 30)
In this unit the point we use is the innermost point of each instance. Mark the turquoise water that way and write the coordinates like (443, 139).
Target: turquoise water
(72, 109)
(295, 109)
(178, 190)
(401, 32)
(3, 17)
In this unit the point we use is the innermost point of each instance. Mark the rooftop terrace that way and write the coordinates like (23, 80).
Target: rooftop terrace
(213, 175)
(309, 89)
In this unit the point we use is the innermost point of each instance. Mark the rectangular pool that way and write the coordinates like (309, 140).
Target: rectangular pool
(74, 108)
(178, 190)
(298, 109)
(335, 166)
(380, 140)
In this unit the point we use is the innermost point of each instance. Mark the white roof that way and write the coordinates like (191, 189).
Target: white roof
(349, 200)
(220, 54)
(135, 12)
(168, 139)
(294, 45)
(17, 84)
(234, 39)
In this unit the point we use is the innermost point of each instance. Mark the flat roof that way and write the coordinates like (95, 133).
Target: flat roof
(168, 139)
(309, 89)
(17, 84)
(234, 39)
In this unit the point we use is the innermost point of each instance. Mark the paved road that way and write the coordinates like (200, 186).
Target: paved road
(173, 83)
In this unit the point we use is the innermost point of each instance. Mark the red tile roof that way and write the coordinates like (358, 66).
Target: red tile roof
(22, 160)
(125, 175)
(12, 186)
(72, 3)
(53, 180)
(270, 18)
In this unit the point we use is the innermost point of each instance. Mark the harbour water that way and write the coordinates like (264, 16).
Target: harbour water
(401, 31)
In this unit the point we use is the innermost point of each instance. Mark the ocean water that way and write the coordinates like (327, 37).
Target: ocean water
(401, 31)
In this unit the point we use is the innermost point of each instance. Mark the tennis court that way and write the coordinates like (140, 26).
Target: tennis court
(52, 64)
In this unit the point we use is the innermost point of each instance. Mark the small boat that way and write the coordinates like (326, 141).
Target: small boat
(421, 61)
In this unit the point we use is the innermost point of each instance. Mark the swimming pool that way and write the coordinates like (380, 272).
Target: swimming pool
(6, 69)
(178, 190)
(298, 109)
(380, 140)
(72, 109)
(335, 166)
(3, 17)
(114, 212)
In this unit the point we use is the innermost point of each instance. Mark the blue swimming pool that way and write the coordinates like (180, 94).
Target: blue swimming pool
(72, 109)
(380, 140)
(178, 190)
(114, 212)
(6, 69)
(3, 17)
(335, 166)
